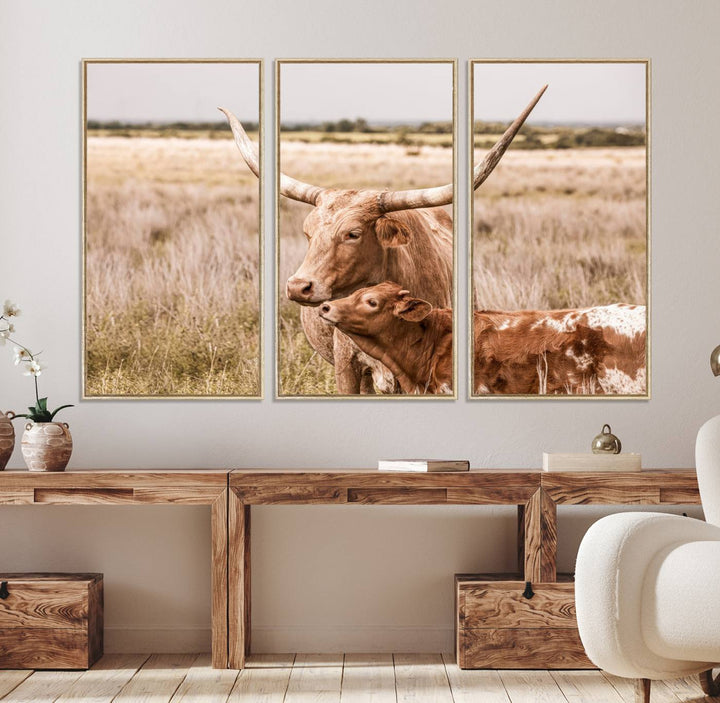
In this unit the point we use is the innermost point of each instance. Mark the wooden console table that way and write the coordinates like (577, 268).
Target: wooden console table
(231, 495)
(201, 487)
(537, 495)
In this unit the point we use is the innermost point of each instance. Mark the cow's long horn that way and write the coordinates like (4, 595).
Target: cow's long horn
(290, 187)
(443, 195)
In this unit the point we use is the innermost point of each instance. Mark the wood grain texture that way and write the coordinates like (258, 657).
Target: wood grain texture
(391, 496)
(264, 679)
(368, 678)
(158, 680)
(522, 648)
(626, 688)
(316, 678)
(47, 648)
(51, 621)
(18, 496)
(421, 677)
(105, 680)
(540, 538)
(531, 687)
(653, 487)
(239, 606)
(45, 603)
(288, 495)
(585, 686)
(502, 605)
(109, 478)
(219, 580)
(83, 496)
(479, 478)
(41, 686)
(9, 680)
(96, 620)
(203, 684)
(491, 495)
(474, 686)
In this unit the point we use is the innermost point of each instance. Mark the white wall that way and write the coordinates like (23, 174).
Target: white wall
(367, 577)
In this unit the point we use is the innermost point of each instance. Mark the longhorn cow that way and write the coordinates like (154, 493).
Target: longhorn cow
(359, 238)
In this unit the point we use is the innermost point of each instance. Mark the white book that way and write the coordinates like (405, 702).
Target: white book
(422, 465)
(591, 462)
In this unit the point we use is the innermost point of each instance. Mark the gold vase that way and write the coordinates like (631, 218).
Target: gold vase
(7, 437)
(46, 446)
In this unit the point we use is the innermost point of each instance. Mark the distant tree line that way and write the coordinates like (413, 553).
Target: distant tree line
(559, 137)
(161, 126)
(360, 124)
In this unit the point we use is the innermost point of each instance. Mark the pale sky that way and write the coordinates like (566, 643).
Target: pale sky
(171, 92)
(378, 92)
(594, 93)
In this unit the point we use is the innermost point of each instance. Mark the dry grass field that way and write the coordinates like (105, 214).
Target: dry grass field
(553, 228)
(561, 228)
(172, 268)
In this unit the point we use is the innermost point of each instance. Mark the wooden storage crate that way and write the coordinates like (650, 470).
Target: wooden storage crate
(50, 621)
(498, 627)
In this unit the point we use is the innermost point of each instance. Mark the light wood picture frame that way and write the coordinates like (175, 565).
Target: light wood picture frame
(352, 135)
(173, 230)
(559, 245)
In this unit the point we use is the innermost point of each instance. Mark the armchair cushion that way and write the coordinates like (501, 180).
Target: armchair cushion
(619, 563)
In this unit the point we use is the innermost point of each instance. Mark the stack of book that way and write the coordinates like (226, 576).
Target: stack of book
(422, 465)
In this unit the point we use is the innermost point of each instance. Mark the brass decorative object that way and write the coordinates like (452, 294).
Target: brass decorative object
(606, 442)
(715, 361)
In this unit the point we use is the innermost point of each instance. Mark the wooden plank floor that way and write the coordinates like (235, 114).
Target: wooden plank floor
(322, 678)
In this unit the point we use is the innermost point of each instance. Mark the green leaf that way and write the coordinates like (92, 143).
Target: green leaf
(32, 410)
(57, 410)
(42, 404)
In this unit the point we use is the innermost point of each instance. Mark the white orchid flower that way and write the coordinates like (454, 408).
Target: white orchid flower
(10, 309)
(21, 355)
(33, 368)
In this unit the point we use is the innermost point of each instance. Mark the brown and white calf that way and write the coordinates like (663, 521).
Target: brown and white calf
(408, 335)
(599, 350)
(587, 351)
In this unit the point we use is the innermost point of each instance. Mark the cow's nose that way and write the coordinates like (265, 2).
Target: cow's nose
(299, 289)
(325, 308)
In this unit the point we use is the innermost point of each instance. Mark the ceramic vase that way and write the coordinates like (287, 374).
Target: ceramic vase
(7, 437)
(47, 446)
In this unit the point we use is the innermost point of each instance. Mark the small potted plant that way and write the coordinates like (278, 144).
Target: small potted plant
(46, 444)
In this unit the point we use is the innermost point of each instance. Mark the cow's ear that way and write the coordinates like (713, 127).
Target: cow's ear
(392, 232)
(412, 309)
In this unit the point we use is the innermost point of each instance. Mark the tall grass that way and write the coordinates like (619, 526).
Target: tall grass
(172, 269)
(558, 229)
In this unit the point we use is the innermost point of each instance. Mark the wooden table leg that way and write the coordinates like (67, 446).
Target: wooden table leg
(238, 582)
(537, 538)
(219, 557)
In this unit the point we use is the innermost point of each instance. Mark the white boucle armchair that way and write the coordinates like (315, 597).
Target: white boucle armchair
(647, 586)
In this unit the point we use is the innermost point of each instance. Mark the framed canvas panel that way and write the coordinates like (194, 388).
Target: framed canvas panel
(559, 244)
(365, 229)
(172, 230)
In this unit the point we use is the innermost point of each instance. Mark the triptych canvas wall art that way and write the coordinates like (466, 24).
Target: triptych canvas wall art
(366, 226)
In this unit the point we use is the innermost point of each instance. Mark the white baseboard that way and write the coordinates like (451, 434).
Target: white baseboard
(271, 640)
(148, 640)
(352, 638)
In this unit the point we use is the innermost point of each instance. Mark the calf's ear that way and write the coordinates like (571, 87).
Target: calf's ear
(391, 232)
(412, 309)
